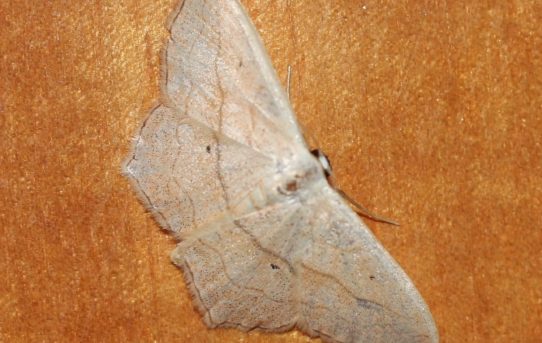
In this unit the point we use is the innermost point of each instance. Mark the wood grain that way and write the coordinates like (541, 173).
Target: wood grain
(429, 111)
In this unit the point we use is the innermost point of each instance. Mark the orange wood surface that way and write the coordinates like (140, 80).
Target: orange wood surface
(431, 112)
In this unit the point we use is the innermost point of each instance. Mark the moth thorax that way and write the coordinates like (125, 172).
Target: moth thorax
(296, 175)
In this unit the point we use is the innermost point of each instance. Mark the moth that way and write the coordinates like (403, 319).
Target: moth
(265, 242)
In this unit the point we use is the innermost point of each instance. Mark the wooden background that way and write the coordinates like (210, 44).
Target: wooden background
(431, 112)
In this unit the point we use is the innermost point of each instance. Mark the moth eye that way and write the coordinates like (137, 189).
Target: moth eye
(324, 161)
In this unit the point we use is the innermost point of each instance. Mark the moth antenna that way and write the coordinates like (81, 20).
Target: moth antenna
(306, 133)
(289, 82)
(364, 211)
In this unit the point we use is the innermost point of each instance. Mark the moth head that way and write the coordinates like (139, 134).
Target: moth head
(324, 162)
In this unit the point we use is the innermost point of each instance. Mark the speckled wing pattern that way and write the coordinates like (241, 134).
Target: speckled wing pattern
(265, 242)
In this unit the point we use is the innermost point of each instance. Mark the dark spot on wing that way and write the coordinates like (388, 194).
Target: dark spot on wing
(372, 277)
(208, 149)
(274, 266)
(290, 187)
